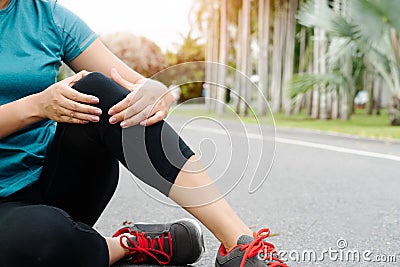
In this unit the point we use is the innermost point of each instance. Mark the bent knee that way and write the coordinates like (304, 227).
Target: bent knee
(108, 91)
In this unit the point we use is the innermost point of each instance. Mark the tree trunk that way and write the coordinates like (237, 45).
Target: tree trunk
(323, 113)
(335, 109)
(214, 68)
(378, 97)
(289, 53)
(223, 54)
(302, 56)
(346, 94)
(316, 90)
(238, 75)
(263, 64)
(245, 64)
(278, 48)
(208, 66)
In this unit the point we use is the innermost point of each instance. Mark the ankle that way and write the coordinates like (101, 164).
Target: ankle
(123, 243)
(232, 242)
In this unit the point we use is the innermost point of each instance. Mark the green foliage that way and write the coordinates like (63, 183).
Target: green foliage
(364, 34)
(360, 124)
(186, 75)
(316, 13)
(302, 83)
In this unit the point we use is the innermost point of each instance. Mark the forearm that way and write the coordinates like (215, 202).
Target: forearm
(17, 115)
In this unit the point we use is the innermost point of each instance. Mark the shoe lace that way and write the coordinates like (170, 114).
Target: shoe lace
(259, 246)
(145, 246)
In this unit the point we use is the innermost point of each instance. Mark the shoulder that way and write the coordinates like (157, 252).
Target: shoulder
(41, 7)
(46, 8)
(43, 10)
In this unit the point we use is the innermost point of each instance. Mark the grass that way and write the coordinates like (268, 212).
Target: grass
(360, 124)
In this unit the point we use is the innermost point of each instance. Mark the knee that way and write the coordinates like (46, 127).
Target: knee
(108, 91)
(36, 235)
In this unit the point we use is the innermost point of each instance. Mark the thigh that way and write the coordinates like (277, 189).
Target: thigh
(40, 235)
(79, 175)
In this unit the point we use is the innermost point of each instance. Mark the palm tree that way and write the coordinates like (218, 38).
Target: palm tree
(288, 66)
(223, 58)
(264, 17)
(365, 36)
(283, 53)
(245, 67)
(278, 44)
(214, 19)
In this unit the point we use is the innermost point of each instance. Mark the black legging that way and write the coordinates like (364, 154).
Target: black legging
(49, 223)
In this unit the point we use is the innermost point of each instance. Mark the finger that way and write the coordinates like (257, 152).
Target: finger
(76, 96)
(130, 111)
(77, 115)
(136, 107)
(68, 119)
(159, 116)
(117, 118)
(121, 81)
(78, 76)
(80, 108)
(122, 105)
(134, 120)
(70, 81)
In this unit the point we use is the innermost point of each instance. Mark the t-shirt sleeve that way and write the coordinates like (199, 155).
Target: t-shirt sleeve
(74, 33)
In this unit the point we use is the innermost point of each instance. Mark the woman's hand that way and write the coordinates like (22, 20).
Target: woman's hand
(148, 102)
(61, 103)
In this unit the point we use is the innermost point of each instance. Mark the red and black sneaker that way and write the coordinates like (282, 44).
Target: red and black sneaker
(177, 243)
(250, 252)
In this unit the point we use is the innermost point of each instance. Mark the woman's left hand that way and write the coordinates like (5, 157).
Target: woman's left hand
(148, 102)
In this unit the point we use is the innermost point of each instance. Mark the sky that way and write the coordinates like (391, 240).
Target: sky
(158, 20)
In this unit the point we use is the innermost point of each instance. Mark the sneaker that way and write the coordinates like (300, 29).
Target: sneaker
(177, 243)
(250, 252)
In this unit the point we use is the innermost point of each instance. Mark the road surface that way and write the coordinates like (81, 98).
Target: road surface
(334, 199)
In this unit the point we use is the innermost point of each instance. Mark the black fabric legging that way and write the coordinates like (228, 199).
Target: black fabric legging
(50, 222)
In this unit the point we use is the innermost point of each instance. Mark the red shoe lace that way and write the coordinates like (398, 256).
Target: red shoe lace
(260, 246)
(145, 246)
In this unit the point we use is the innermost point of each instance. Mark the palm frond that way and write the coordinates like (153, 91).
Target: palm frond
(316, 13)
(302, 83)
(378, 13)
(369, 18)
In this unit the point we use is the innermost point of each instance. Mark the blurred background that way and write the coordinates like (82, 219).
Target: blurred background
(321, 64)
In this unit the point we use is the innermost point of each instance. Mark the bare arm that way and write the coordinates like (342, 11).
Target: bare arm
(97, 57)
(59, 103)
(18, 114)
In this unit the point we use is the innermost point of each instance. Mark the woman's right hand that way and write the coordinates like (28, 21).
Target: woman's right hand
(61, 103)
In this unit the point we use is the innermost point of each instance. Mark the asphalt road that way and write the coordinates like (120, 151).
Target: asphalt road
(336, 196)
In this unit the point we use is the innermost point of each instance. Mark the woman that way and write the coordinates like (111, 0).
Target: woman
(60, 144)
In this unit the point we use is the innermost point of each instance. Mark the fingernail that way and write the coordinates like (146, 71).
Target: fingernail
(95, 118)
(111, 112)
(143, 123)
(98, 112)
(123, 124)
(95, 99)
(113, 120)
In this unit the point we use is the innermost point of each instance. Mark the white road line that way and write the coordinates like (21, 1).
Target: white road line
(337, 149)
(301, 143)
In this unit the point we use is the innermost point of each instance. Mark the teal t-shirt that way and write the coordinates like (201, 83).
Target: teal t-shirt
(35, 37)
